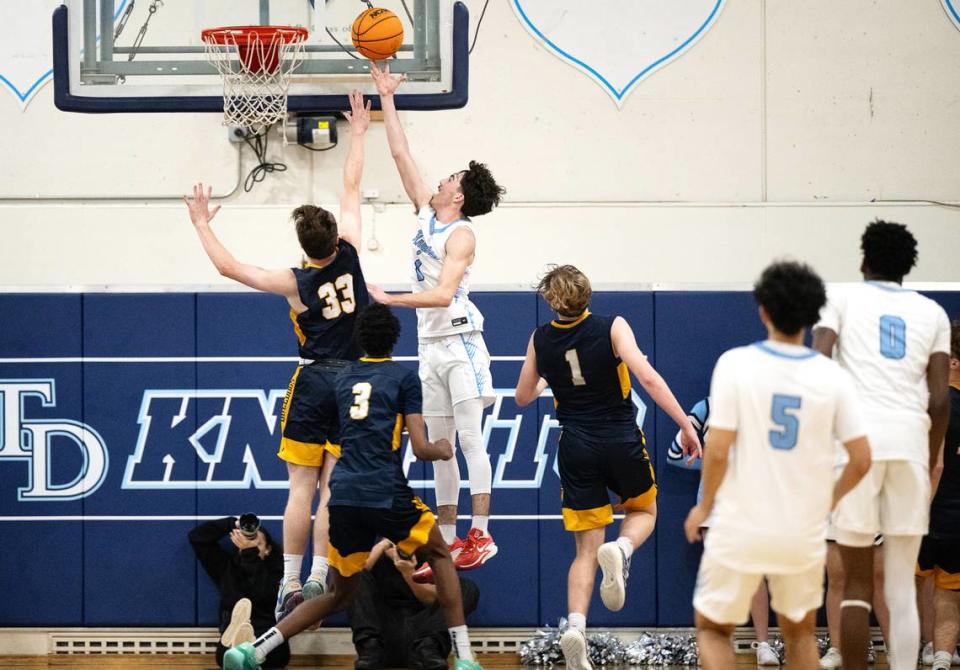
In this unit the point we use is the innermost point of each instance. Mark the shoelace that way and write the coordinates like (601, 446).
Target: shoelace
(626, 565)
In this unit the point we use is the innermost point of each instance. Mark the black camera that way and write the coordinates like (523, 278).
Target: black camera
(249, 524)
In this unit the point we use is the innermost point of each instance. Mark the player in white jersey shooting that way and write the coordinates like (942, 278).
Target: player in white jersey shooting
(454, 362)
(775, 409)
(896, 345)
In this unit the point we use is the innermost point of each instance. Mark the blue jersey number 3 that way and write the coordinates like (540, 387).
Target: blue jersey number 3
(786, 438)
(893, 337)
(417, 264)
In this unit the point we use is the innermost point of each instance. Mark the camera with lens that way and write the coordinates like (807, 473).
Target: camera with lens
(249, 524)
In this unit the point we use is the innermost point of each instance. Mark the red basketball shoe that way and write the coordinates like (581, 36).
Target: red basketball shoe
(424, 574)
(478, 549)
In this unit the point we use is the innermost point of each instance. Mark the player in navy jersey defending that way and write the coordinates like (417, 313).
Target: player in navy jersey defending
(586, 359)
(325, 297)
(776, 408)
(369, 494)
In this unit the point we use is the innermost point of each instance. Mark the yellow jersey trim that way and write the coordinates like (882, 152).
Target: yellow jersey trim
(623, 373)
(296, 327)
(397, 432)
(587, 519)
(571, 324)
(367, 359)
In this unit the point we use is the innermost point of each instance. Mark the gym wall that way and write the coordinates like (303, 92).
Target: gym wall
(174, 398)
(771, 136)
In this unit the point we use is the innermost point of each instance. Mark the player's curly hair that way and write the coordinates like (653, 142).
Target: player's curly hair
(316, 230)
(955, 339)
(481, 193)
(566, 290)
(889, 250)
(377, 330)
(792, 295)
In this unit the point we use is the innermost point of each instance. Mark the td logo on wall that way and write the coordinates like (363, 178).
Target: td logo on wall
(209, 439)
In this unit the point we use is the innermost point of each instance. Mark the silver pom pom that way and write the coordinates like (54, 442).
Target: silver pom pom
(656, 649)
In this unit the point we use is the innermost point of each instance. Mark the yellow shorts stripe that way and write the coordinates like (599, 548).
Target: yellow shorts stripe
(923, 573)
(420, 533)
(348, 565)
(332, 449)
(305, 453)
(288, 399)
(640, 501)
(587, 519)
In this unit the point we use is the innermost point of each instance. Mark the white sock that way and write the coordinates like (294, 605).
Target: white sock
(481, 522)
(449, 532)
(319, 568)
(626, 545)
(461, 642)
(266, 643)
(577, 620)
(291, 567)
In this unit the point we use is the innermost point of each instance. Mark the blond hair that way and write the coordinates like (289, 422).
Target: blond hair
(566, 290)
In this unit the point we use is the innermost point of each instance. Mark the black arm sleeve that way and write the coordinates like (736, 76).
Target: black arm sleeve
(205, 540)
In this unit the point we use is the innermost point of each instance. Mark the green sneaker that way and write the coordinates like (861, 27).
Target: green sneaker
(241, 657)
(313, 588)
(459, 664)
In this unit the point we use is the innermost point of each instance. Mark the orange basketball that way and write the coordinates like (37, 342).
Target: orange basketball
(377, 33)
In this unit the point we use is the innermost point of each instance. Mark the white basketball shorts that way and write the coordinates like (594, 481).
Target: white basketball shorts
(454, 368)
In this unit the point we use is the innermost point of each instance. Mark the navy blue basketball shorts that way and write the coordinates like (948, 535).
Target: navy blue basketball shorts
(354, 531)
(589, 469)
(310, 422)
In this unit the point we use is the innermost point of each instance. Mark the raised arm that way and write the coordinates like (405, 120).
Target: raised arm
(413, 184)
(460, 250)
(359, 120)
(530, 384)
(279, 282)
(626, 349)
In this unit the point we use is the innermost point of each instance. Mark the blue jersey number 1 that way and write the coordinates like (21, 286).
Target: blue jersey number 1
(893, 337)
(786, 438)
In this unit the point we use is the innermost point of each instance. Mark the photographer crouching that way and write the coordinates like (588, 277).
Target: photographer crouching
(246, 575)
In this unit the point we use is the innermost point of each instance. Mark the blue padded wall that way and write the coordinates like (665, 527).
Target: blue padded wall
(181, 394)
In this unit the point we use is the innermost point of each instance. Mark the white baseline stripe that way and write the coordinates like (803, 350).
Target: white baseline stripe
(495, 517)
(195, 359)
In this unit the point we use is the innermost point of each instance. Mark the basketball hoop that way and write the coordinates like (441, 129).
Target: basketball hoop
(256, 63)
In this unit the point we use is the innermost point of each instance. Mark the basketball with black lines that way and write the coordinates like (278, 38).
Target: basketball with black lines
(377, 33)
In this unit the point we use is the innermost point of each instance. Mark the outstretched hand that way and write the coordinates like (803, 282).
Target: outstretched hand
(359, 115)
(386, 83)
(199, 205)
(377, 294)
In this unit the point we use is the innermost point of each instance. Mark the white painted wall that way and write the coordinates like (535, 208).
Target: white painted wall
(819, 104)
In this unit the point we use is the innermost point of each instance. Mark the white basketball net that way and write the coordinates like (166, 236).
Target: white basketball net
(256, 75)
